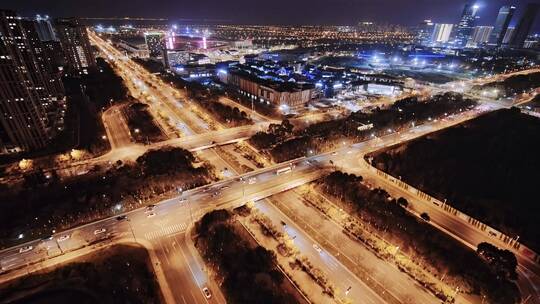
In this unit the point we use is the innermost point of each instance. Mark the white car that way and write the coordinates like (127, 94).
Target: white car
(99, 231)
(150, 208)
(207, 293)
(316, 247)
(252, 180)
(151, 215)
(25, 249)
(334, 154)
(64, 238)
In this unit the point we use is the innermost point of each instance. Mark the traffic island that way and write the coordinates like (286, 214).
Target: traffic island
(246, 272)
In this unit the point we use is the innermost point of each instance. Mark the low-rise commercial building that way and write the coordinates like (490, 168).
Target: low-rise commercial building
(286, 95)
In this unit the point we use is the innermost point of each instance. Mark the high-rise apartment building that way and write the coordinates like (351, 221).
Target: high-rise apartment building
(44, 74)
(466, 25)
(75, 44)
(441, 33)
(525, 24)
(44, 28)
(508, 35)
(23, 87)
(501, 24)
(480, 36)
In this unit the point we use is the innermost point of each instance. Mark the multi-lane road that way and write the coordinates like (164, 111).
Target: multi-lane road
(172, 216)
(162, 229)
(117, 130)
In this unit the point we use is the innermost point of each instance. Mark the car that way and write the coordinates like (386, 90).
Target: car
(225, 187)
(152, 214)
(99, 231)
(350, 152)
(334, 153)
(207, 293)
(121, 217)
(149, 208)
(215, 194)
(47, 238)
(316, 247)
(64, 238)
(252, 180)
(25, 249)
(182, 200)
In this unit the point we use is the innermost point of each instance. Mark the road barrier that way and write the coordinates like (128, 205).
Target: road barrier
(511, 242)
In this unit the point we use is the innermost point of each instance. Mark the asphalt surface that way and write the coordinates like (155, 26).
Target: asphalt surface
(117, 130)
(164, 226)
(400, 286)
(228, 193)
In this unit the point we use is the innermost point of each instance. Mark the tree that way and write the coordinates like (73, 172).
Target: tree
(166, 160)
(403, 202)
(502, 261)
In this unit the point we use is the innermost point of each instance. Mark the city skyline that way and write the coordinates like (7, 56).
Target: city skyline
(340, 12)
(390, 157)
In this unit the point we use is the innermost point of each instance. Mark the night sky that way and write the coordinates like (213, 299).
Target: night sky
(407, 12)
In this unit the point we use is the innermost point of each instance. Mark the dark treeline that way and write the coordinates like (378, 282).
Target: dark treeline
(487, 168)
(287, 144)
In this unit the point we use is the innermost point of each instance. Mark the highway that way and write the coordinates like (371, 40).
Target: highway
(400, 286)
(183, 115)
(348, 285)
(116, 128)
(164, 227)
(455, 226)
(227, 193)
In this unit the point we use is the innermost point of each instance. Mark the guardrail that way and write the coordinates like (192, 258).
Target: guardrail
(512, 242)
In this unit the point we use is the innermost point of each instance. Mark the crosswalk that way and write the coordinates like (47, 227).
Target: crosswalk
(164, 231)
